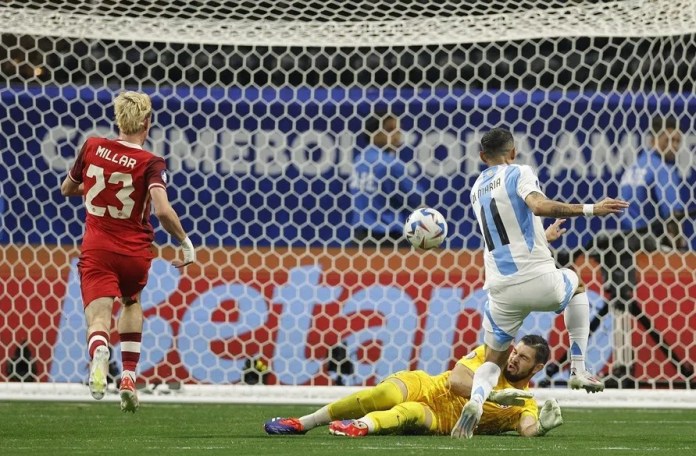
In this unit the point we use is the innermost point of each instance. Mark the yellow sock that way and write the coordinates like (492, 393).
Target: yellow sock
(382, 397)
(402, 417)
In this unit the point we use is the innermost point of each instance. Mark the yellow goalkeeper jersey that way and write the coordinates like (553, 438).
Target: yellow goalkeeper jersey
(433, 391)
(498, 418)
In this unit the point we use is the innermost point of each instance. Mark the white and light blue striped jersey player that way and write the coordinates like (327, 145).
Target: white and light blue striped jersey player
(516, 248)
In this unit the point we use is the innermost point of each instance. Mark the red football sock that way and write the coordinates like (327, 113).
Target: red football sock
(130, 350)
(97, 339)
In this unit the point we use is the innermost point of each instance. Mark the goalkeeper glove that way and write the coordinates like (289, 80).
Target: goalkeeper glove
(189, 253)
(549, 417)
(510, 396)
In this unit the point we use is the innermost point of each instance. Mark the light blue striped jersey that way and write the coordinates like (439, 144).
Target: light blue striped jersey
(516, 249)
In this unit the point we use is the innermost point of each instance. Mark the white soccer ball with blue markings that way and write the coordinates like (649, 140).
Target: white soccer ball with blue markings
(425, 228)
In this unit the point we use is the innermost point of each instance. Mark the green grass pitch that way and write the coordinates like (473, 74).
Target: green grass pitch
(55, 428)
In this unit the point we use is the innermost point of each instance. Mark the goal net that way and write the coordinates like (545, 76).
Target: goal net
(260, 111)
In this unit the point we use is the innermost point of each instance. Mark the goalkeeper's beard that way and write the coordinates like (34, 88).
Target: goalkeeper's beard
(512, 378)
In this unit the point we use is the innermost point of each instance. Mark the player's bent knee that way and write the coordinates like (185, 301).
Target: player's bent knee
(413, 415)
(430, 421)
(382, 397)
(399, 384)
(575, 280)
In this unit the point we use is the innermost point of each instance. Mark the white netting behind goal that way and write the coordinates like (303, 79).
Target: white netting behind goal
(351, 23)
(260, 110)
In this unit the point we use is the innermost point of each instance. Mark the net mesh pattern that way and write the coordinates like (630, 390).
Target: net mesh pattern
(260, 110)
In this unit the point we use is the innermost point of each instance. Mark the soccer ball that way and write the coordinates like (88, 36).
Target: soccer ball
(425, 228)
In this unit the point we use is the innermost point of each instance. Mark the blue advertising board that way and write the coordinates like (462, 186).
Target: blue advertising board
(272, 166)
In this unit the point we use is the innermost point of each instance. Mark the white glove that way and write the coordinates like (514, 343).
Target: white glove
(510, 396)
(549, 417)
(189, 253)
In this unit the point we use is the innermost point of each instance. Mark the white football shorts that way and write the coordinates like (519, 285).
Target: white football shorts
(507, 307)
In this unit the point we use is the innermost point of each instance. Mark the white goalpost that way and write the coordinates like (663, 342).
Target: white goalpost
(259, 111)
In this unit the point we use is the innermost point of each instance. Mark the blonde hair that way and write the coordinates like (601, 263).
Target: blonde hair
(132, 109)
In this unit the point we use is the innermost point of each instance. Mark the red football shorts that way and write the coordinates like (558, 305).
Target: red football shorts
(106, 274)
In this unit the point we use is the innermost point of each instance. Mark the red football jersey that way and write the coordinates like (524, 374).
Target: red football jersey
(117, 178)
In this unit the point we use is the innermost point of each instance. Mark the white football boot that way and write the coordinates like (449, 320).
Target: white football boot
(586, 381)
(98, 370)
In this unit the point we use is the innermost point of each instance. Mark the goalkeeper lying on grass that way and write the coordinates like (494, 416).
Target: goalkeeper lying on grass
(415, 402)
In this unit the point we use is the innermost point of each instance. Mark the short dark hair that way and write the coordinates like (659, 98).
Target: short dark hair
(540, 346)
(661, 123)
(497, 141)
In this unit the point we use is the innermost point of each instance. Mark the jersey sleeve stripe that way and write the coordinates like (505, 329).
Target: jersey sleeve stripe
(156, 184)
(73, 179)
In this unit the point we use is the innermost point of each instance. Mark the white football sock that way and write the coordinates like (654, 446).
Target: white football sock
(319, 418)
(485, 378)
(369, 423)
(577, 321)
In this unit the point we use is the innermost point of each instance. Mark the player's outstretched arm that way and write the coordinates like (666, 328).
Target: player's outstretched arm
(462, 378)
(172, 225)
(510, 396)
(549, 418)
(544, 207)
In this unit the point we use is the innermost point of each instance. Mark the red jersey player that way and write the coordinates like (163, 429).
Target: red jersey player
(118, 180)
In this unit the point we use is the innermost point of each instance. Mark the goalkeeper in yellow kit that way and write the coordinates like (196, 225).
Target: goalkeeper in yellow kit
(413, 402)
